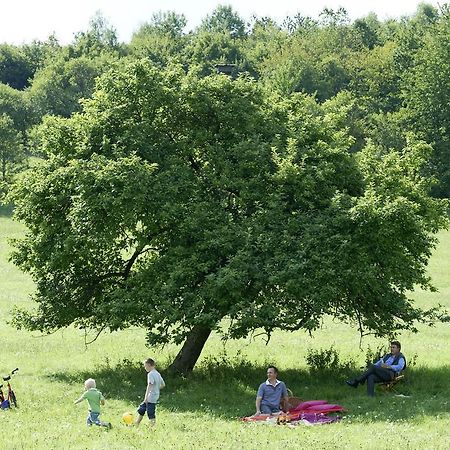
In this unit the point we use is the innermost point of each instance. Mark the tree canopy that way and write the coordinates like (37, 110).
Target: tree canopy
(173, 201)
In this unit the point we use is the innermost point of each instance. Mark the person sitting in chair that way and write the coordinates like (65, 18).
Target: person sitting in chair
(383, 370)
(270, 393)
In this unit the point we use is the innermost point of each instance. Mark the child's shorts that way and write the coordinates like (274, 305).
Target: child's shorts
(93, 418)
(149, 407)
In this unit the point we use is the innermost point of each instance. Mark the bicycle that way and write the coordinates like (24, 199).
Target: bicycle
(10, 399)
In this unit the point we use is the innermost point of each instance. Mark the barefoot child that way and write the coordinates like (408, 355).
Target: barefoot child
(155, 382)
(95, 399)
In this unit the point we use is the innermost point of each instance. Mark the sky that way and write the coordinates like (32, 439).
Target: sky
(25, 20)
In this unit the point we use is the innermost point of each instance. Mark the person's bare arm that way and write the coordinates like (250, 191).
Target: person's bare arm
(78, 400)
(147, 391)
(258, 405)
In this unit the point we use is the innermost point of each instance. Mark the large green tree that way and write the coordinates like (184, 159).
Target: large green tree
(172, 202)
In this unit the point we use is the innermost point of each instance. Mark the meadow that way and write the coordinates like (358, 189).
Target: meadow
(202, 410)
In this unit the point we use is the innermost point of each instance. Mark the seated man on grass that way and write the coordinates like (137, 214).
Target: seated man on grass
(270, 393)
(383, 370)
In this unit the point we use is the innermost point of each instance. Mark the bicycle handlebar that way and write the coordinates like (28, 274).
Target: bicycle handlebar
(8, 377)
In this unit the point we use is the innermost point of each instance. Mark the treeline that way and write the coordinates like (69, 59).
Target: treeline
(392, 76)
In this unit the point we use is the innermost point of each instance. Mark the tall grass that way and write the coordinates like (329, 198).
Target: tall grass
(202, 410)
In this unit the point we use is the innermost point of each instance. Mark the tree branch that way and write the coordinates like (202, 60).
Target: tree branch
(96, 336)
(129, 264)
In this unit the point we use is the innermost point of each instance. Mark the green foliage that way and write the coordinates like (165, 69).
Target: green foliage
(224, 20)
(15, 68)
(11, 152)
(334, 18)
(394, 69)
(172, 202)
(161, 40)
(426, 89)
(327, 360)
(58, 87)
(264, 39)
(218, 40)
(369, 29)
(375, 81)
(395, 189)
(99, 39)
(14, 103)
(374, 354)
(41, 53)
(317, 61)
(299, 24)
(386, 130)
(18, 64)
(206, 50)
(96, 186)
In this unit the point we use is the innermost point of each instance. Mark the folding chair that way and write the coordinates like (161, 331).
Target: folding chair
(389, 386)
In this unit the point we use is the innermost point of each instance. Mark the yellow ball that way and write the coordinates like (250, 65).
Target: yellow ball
(127, 418)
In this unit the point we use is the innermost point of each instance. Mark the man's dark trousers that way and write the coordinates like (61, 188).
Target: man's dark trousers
(375, 374)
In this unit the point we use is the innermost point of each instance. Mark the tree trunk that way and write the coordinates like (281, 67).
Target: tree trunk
(185, 361)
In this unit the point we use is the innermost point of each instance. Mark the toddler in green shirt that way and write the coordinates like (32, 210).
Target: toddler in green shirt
(95, 399)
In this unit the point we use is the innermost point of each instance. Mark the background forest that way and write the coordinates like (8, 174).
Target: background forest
(393, 76)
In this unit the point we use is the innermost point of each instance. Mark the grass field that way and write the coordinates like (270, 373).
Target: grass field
(201, 411)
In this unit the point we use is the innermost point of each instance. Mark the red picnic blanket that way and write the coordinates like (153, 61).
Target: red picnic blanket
(315, 407)
(310, 407)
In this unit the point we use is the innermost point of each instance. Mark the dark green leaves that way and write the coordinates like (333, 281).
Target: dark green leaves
(172, 202)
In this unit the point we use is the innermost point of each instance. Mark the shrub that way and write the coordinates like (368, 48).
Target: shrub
(373, 355)
(327, 360)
